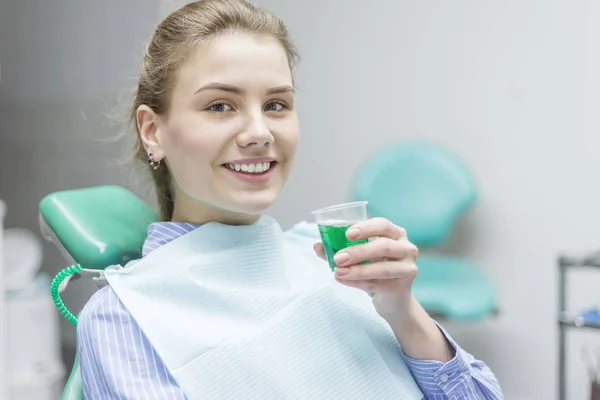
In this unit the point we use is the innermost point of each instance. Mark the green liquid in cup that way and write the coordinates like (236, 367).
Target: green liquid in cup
(334, 239)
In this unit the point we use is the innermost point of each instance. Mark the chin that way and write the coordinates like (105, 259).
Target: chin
(255, 203)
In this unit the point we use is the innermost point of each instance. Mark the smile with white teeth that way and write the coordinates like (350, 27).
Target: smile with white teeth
(258, 168)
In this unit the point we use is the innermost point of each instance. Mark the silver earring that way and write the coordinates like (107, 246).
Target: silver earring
(153, 164)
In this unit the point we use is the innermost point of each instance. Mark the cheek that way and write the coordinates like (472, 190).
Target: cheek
(293, 145)
(289, 136)
(190, 154)
(187, 141)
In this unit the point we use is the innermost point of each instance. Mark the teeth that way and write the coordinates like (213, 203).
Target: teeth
(251, 168)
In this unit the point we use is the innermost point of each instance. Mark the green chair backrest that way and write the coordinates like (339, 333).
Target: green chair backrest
(95, 227)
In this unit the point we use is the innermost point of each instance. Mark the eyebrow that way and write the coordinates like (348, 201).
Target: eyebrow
(236, 90)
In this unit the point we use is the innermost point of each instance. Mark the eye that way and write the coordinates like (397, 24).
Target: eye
(220, 107)
(274, 106)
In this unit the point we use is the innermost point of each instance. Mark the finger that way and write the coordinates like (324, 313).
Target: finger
(381, 270)
(375, 227)
(318, 247)
(376, 249)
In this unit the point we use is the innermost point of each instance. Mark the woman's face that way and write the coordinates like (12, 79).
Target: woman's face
(231, 133)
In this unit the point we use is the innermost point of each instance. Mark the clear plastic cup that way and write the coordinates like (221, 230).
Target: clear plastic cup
(333, 223)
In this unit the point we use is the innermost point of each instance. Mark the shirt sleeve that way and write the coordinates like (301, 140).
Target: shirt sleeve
(117, 360)
(463, 377)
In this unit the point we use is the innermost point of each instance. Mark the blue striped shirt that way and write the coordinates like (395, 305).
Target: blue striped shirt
(118, 361)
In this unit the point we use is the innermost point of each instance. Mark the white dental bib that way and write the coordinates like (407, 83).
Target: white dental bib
(250, 312)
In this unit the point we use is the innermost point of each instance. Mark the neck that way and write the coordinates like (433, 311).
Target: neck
(203, 213)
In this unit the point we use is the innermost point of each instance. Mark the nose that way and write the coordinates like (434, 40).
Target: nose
(256, 135)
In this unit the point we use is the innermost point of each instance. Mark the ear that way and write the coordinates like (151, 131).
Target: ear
(148, 127)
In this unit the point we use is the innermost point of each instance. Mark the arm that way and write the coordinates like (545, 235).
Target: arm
(450, 372)
(442, 369)
(117, 360)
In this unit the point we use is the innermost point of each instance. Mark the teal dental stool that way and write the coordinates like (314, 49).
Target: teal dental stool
(94, 228)
(425, 189)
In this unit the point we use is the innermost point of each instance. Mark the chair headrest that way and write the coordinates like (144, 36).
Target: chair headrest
(420, 186)
(97, 226)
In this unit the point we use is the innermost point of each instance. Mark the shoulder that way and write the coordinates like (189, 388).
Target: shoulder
(104, 308)
(109, 339)
(105, 325)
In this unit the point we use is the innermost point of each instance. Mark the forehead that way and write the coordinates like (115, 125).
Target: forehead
(239, 59)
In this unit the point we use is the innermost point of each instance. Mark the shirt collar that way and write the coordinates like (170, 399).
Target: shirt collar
(161, 233)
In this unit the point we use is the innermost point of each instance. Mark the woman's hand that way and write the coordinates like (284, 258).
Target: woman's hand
(389, 275)
(388, 278)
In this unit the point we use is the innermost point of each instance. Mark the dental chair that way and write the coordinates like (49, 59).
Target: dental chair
(426, 189)
(94, 228)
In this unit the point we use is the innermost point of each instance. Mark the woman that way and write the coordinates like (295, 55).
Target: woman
(224, 305)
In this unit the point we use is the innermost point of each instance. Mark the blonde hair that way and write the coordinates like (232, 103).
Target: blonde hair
(171, 43)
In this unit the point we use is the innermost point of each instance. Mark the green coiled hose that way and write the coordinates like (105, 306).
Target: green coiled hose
(61, 276)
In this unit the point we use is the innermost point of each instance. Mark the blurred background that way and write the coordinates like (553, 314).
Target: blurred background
(512, 87)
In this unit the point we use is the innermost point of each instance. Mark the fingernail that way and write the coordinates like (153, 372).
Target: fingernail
(341, 258)
(342, 271)
(352, 233)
